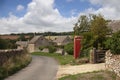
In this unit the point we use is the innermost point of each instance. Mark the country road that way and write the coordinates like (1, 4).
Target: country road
(41, 68)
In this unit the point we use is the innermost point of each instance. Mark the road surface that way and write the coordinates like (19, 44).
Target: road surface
(41, 68)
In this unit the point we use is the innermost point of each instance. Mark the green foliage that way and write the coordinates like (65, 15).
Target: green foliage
(44, 33)
(85, 52)
(94, 29)
(22, 37)
(7, 44)
(82, 25)
(87, 43)
(60, 46)
(113, 43)
(99, 26)
(99, 30)
(69, 48)
(52, 49)
(87, 40)
(3, 44)
(41, 47)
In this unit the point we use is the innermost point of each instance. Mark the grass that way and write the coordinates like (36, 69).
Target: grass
(96, 75)
(63, 60)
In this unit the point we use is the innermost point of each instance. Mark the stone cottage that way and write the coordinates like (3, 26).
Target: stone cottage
(22, 44)
(62, 40)
(36, 42)
(114, 25)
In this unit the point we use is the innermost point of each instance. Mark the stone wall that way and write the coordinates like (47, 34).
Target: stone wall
(112, 62)
(31, 48)
(13, 60)
(5, 55)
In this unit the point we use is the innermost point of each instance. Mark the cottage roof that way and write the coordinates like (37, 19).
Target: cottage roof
(34, 39)
(22, 43)
(60, 39)
(114, 25)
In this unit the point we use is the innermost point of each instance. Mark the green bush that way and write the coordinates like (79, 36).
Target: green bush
(113, 43)
(60, 46)
(87, 43)
(85, 52)
(52, 49)
(41, 47)
(7, 44)
(69, 48)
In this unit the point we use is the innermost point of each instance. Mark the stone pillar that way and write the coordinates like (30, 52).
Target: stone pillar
(93, 56)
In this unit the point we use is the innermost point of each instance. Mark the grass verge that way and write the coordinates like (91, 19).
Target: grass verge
(63, 60)
(96, 75)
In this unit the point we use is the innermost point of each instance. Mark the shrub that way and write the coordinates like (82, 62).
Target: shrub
(41, 47)
(113, 43)
(7, 44)
(85, 52)
(60, 46)
(52, 49)
(69, 48)
(87, 43)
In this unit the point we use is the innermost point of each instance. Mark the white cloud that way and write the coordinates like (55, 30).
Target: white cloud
(110, 9)
(107, 3)
(41, 16)
(20, 8)
(113, 3)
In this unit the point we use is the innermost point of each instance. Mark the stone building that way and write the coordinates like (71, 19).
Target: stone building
(62, 40)
(114, 25)
(36, 42)
(22, 44)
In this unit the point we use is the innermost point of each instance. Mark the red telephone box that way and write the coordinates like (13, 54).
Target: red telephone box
(77, 46)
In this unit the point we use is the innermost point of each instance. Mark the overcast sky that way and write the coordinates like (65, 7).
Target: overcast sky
(17, 16)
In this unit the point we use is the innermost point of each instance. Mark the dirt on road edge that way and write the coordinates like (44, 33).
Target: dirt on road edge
(71, 70)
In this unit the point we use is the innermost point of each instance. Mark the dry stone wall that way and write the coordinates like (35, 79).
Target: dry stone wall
(5, 55)
(112, 62)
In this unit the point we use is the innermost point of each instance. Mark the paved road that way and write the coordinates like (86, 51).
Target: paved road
(41, 68)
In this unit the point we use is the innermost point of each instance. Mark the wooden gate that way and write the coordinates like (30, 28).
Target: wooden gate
(97, 56)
